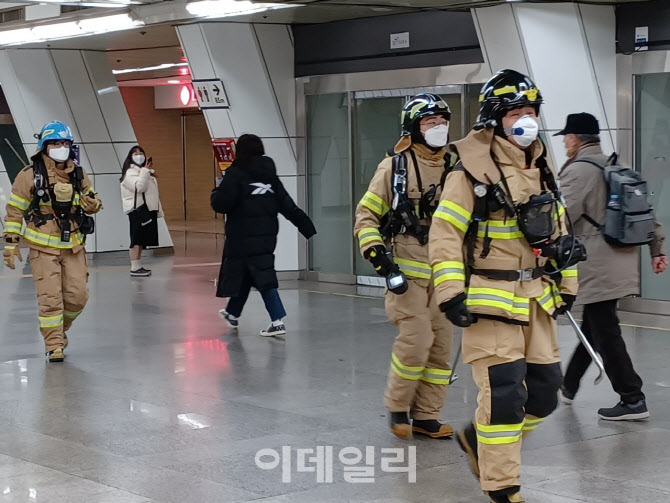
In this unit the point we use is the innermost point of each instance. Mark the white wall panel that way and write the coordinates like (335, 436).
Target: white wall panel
(277, 50)
(112, 231)
(103, 159)
(600, 27)
(5, 193)
(92, 240)
(238, 63)
(122, 150)
(164, 238)
(10, 88)
(109, 97)
(40, 90)
(287, 242)
(195, 50)
(562, 50)
(501, 43)
(280, 150)
(81, 97)
(218, 122)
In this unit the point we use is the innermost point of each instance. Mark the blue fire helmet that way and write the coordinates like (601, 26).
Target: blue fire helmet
(53, 131)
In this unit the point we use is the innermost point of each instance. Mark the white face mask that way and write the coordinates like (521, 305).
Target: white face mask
(138, 159)
(60, 154)
(524, 131)
(437, 136)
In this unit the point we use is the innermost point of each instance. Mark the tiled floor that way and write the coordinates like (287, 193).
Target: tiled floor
(157, 401)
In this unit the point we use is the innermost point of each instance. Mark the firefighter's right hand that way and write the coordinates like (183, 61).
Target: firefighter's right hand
(10, 254)
(380, 260)
(456, 311)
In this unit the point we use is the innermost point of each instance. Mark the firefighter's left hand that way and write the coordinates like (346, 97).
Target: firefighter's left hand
(90, 204)
(568, 300)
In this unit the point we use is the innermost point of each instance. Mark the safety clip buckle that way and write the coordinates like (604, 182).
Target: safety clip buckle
(525, 274)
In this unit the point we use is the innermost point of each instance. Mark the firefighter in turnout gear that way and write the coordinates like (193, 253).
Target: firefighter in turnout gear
(392, 222)
(55, 198)
(504, 266)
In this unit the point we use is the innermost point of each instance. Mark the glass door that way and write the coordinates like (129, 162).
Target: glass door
(376, 129)
(328, 182)
(652, 159)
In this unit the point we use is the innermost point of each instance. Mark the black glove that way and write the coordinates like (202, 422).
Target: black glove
(380, 260)
(456, 312)
(569, 301)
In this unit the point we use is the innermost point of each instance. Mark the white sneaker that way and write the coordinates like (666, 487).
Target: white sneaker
(565, 397)
(230, 320)
(274, 330)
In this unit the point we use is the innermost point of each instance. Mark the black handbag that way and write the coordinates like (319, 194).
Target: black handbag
(142, 214)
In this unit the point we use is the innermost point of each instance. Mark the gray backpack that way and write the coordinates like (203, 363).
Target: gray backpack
(629, 218)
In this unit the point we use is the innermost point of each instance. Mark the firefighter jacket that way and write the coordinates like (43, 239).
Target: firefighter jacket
(46, 237)
(410, 256)
(509, 251)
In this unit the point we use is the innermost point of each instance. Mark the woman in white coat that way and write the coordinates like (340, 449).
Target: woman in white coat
(139, 191)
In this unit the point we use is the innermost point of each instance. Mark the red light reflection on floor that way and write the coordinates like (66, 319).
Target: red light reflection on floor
(206, 352)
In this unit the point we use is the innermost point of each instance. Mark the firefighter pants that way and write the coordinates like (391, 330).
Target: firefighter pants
(420, 369)
(517, 371)
(60, 282)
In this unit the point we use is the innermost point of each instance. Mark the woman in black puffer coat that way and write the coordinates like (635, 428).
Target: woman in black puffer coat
(251, 196)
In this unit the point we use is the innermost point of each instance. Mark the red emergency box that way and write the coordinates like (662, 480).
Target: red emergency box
(224, 152)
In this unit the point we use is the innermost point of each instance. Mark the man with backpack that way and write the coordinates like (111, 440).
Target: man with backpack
(392, 222)
(610, 213)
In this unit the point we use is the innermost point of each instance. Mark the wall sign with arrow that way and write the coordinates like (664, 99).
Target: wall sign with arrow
(210, 93)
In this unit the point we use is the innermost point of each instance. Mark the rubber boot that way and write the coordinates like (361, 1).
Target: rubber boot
(400, 426)
(507, 495)
(432, 428)
(467, 441)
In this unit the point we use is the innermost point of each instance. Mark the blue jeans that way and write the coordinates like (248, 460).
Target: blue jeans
(273, 302)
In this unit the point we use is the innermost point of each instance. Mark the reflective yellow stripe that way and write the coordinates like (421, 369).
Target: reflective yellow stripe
(49, 241)
(531, 424)
(72, 315)
(571, 272)
(374, 203)
(436, 376)
(504, 90)
(550, 299)
(19, 202)
(405, 371)
(500, 299)
(416, 109)
(449, 270)
(396, 360)
(499, 229)
(50, 321)
(456, 215)
(13, 228)
(499, 434)
(561, 211)
(369, 235)
(414, 268)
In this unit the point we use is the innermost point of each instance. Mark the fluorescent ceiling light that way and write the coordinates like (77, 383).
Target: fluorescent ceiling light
(164, 66)
(174, 81)
(70, 29)
(22, 36)
(109, 23)
(92, 3)
(224, 8)
(57, 30)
